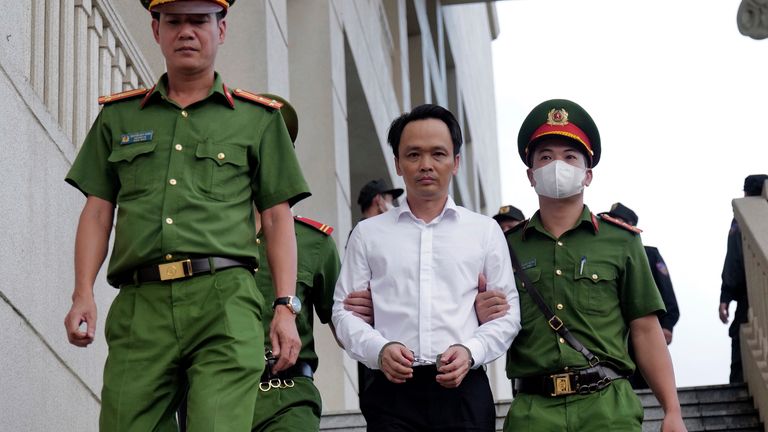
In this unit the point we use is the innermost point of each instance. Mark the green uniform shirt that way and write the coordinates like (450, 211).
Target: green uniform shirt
(318, 268)
(596, 278)
(183, 179)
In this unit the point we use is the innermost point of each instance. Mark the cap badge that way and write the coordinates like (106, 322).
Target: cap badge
(558, 117)
(504, 210)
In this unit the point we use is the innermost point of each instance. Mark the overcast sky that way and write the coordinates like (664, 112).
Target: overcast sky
(679, 97)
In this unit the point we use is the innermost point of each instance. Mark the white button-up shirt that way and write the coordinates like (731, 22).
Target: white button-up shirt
(423, 280)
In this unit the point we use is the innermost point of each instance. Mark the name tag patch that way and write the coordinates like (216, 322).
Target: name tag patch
(136, 137)
(528, 264)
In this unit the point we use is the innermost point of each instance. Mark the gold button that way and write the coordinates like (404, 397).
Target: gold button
(558, 272)
(594, 277)
(258, 241)
(220, 156)
(184, 114)
(178, 147)
(559, 306)
(172, 182)
(562, 340)
(256, 270)
(559, 243)
(169, 221)
(168, 257)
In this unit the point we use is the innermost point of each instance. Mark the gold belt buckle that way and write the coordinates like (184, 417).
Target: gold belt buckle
(175, 270)
(562, 384)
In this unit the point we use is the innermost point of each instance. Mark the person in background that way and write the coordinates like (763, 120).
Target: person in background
(376, 197)
(734, 282)
(660, 273)
(509, 217)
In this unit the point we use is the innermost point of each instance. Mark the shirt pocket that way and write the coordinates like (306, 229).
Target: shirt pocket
(529, 311)
(222, 170)
(133, 164)
(596, 288)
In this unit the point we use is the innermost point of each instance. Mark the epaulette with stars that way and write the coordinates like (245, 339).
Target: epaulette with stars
(620, 224)
(323, 228)
(130, 94)
(253, 97)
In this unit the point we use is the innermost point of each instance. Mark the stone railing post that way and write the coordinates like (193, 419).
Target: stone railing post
(752, 216)
(80, 50)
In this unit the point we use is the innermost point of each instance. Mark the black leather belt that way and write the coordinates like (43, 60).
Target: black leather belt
(580, 381)
(179, 270)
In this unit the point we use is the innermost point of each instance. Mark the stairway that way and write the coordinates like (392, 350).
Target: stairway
(708, 408)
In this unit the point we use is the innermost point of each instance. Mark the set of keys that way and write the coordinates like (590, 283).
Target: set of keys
(273, 381)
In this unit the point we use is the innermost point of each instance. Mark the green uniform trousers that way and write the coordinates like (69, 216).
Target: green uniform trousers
(615, 408)
(297, 408)
(205, 331)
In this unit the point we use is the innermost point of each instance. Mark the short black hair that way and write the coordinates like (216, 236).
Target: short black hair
(423, 112)
(219, 15)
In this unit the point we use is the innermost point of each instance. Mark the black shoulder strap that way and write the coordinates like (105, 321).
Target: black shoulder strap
(553, 320)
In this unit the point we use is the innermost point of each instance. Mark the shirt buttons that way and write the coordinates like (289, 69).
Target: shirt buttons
(220, 156)
(559, 243)
(168, 257)
(559, 306)
(258, 241)
(184, 114)
(558, 272)
(172, 182)
(562, 340)
(178, 147)
(594, 277)
(169, 221)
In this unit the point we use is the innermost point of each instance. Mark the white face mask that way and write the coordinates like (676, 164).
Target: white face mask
(387, 206)
(559, 179)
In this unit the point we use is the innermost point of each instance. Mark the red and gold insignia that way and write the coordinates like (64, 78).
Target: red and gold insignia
(122, 96)
(557, 117)
(620, 223)
(228, 95)
(323, 228)
(253, 97)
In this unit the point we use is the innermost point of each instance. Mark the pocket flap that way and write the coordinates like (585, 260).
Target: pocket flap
(595, 273)
(127, 153)
(222, 153)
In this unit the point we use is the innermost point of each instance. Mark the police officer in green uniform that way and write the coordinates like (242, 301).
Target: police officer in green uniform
(184, 163)
(594, 275)
(289, 400)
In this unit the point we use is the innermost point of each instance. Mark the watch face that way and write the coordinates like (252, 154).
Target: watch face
(295, 304)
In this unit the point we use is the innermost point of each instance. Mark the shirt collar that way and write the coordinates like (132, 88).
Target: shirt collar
(587, 220)
(219, 91)
(450, 208)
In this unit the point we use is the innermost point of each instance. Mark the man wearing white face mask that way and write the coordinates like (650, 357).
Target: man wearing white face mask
(584, 283)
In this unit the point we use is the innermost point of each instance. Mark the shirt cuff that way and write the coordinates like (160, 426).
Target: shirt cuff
(477, 351)
(372, 351)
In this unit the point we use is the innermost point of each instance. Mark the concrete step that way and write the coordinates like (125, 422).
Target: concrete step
(715, 408)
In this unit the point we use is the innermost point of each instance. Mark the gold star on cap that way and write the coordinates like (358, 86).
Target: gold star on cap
(557, 117)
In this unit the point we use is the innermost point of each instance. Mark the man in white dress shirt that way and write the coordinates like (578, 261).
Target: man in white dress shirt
(422, 261)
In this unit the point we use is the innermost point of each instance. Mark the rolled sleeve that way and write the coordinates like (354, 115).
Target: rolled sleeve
(278, 177)
(91, 173)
